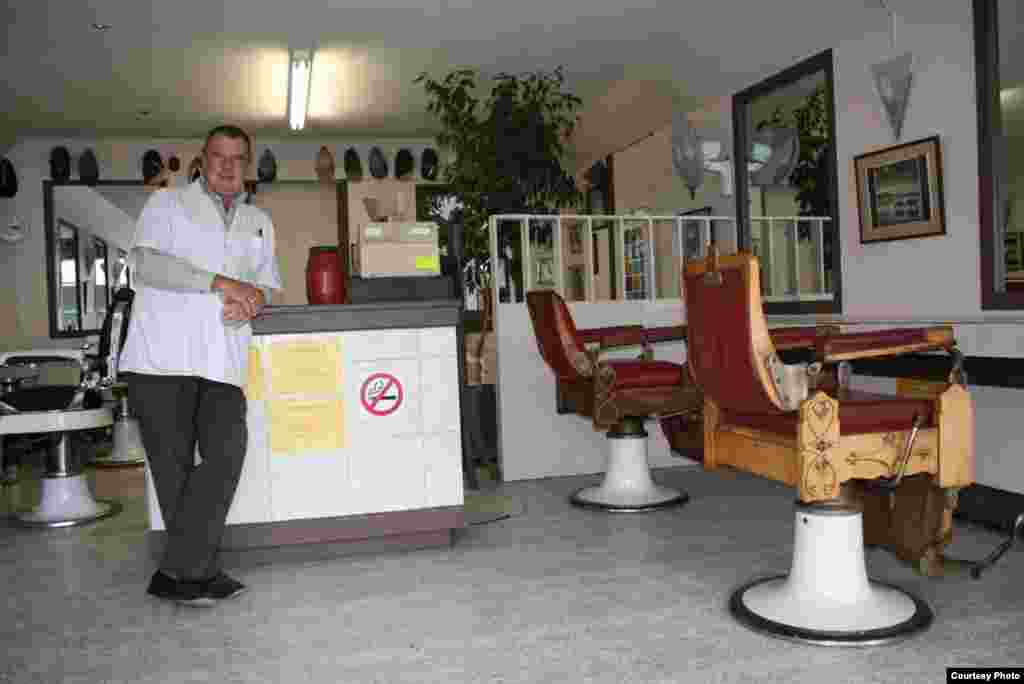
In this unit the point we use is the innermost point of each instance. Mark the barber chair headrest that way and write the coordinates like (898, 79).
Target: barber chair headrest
(114, 332)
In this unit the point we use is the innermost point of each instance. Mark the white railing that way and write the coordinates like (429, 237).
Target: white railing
(787, 275)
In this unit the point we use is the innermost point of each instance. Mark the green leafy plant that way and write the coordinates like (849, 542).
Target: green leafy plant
(505, 148)
(810, 177)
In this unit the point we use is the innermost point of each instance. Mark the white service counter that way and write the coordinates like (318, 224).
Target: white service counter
(354, 428)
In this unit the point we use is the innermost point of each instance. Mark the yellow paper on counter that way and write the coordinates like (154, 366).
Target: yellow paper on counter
(305, 366)
(298, 425)
(254, 383)
(428, 263)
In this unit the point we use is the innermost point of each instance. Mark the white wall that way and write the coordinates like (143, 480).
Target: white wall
(936, 276)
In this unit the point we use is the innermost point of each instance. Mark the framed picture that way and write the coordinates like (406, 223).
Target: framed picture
(899, 192)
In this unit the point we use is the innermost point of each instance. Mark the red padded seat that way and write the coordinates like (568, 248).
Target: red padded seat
(630, 373)
(859, 413)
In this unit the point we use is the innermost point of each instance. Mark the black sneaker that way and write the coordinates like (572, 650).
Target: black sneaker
(222, 586)
(189, 593)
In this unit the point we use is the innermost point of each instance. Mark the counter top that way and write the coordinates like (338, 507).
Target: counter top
(277, 320)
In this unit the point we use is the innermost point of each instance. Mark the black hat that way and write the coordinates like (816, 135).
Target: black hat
(378, 164)
(353, 165)
(404, 163)
(266, 170)
(60, 164)
(152, 165)
(428, 164)
(88, 167)
(8, 179)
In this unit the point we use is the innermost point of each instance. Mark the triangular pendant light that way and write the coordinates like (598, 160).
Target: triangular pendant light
(893, 80)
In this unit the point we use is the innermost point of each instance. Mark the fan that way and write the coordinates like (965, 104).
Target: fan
(687, 153)
(776, 150)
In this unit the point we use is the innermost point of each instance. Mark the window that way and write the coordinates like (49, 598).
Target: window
(1000, 98)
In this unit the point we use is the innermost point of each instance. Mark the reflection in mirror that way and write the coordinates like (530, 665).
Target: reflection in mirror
(97, 308)
(787, 204)
(65, 259)
(86, 225)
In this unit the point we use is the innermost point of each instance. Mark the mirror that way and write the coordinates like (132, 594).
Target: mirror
(1000, 102)
(790, 223)
(89, 230)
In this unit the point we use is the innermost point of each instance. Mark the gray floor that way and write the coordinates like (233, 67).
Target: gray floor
(554, 594)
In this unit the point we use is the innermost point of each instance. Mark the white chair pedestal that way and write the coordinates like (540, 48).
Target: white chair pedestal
(128, 449)
(827, 598)
(65, 498)
(627, 486)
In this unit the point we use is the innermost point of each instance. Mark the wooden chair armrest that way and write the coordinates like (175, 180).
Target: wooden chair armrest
(665, 333)
(613, 336)
(801, 337)
(865, 345)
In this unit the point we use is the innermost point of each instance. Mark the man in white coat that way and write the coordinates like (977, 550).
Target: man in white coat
(205, 264)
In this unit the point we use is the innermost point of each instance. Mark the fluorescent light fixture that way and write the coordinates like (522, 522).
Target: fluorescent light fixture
(298, 87)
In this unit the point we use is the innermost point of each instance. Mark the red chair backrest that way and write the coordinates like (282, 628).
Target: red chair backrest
(727, 335)
(553, 327)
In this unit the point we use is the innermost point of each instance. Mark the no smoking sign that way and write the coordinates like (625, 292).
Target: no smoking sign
(381, 394)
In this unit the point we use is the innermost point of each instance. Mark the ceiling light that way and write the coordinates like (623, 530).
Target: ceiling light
(298, 87)
(101, 27)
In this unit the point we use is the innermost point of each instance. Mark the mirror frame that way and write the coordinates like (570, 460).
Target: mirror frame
(985, 15)
(821, 62)
(49, 222)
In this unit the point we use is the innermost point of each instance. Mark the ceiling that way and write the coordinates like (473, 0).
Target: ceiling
(174, 69)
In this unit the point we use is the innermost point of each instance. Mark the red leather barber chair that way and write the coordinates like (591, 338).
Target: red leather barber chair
(617, 395)
(801, 424)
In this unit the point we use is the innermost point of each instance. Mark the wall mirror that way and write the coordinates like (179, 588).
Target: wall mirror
(89, 230)
(786, 194)
(998, 45)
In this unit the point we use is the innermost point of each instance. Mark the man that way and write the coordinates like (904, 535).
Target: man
(204, 267)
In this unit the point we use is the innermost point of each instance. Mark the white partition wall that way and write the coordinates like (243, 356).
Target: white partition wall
(534, 440)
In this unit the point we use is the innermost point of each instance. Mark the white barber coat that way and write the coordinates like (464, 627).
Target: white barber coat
(182, 333)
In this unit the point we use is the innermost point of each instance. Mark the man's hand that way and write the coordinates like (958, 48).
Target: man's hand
(248, 297)
(233, 312)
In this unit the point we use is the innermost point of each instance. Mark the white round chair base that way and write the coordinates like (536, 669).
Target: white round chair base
(827, 598)
(605, 499)
(64, 502)
(748, 605)
(627, 486)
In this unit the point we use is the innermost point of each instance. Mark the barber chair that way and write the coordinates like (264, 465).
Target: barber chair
(802, 424)
(617, 395)
(57, 411)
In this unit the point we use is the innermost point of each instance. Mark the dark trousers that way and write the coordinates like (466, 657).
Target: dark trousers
(174, 414)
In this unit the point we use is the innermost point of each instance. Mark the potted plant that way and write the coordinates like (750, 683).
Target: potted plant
(505, 149)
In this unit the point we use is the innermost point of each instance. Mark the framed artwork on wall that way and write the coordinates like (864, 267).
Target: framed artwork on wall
(899, 192)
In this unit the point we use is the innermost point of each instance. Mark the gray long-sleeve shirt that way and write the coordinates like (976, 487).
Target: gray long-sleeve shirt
(168, 272)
